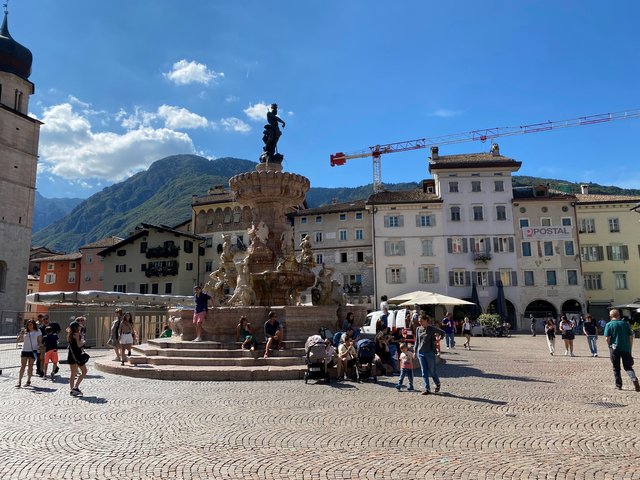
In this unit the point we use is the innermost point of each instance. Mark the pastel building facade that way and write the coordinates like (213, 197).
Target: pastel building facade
(549, 268)
(609, 237)
(154, 259)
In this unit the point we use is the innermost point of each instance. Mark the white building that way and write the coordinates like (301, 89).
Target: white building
(476, 190)
(409, 247)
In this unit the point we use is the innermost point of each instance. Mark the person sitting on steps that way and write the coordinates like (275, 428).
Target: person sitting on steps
(272, 334)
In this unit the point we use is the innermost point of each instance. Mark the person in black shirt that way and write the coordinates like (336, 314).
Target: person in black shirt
(272, 333)
(590, 329)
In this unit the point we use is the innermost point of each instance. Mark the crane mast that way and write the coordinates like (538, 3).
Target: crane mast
(482, 135)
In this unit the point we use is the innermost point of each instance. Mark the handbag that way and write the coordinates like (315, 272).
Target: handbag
(84, 358)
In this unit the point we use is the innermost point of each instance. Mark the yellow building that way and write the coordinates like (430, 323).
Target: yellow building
(609, 239)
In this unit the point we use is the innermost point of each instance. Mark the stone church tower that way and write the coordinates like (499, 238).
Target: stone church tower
(19, 136)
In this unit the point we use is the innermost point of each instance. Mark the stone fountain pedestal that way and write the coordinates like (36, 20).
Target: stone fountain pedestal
(271, 194)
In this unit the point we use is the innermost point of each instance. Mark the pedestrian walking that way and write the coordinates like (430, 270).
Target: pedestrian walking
(125, 336)
(113, 334)
(76, 359)
(619, 337)
(50, 341)
(44, 322)
(591, 331)
(449, 330)
(426, 350)
(533, 324)
(550, 332)
(406, 367)
(29, 353)
(568, 334)
(466, 331)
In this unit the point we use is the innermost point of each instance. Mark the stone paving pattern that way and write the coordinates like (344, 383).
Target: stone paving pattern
(507, 410)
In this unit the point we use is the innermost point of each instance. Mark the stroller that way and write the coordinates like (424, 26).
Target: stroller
(366, 354)
(315, 358)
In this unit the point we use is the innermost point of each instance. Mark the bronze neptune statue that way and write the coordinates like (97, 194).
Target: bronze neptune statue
(271, 135)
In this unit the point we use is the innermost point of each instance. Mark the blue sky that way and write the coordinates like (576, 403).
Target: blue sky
(122, 83)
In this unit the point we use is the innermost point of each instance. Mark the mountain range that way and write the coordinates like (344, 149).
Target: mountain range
(162, 194)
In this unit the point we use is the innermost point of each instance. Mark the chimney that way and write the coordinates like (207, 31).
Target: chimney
(495, 150)
(334, 201)
(434, 153)
(584, 189)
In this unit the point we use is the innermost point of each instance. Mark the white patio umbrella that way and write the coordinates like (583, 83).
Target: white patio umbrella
(427, 298)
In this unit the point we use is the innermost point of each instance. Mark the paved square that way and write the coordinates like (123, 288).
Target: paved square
(507, 410)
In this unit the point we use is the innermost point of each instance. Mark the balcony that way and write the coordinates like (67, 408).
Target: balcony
(481, 257)
(163, 251)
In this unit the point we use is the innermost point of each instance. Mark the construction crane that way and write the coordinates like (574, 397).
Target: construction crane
(377, 151)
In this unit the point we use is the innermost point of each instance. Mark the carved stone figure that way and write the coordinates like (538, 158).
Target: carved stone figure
(288, 261)
(306, 258)
(327, 291)
(216, 289)
(243, 294)
(271, 135)
(228, 267)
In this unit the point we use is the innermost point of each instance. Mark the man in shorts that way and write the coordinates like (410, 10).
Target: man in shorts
(200, 313)
(55, 327)
(272, 333)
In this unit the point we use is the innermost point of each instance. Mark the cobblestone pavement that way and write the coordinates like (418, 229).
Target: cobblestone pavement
(507, 410)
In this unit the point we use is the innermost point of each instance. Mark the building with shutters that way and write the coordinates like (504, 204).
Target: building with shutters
(408, 240)
(341, 239)
(478, 229)
(549, 270)
(154, 259)
(609, 236)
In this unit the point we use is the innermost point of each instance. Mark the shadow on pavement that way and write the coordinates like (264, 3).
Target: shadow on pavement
(96, 400)
(39, 390)
(450, 370)
(473, 399)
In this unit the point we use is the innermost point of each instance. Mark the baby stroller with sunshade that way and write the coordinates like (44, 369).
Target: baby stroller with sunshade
(365, 360)
(316, 359)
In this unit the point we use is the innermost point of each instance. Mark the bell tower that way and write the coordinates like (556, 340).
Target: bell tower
(19, 135)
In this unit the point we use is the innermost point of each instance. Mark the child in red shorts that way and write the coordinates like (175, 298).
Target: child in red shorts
(50, 341)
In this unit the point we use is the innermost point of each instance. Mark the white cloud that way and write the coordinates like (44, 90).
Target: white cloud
(235, 125)
(184, 73)
(257, 111)
(181, 118)
(69, 148)
(445, 113)
(175, 118)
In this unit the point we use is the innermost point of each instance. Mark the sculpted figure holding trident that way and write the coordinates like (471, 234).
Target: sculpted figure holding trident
(271, 135)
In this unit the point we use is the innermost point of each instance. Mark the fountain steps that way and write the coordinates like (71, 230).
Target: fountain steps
(173, 359)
